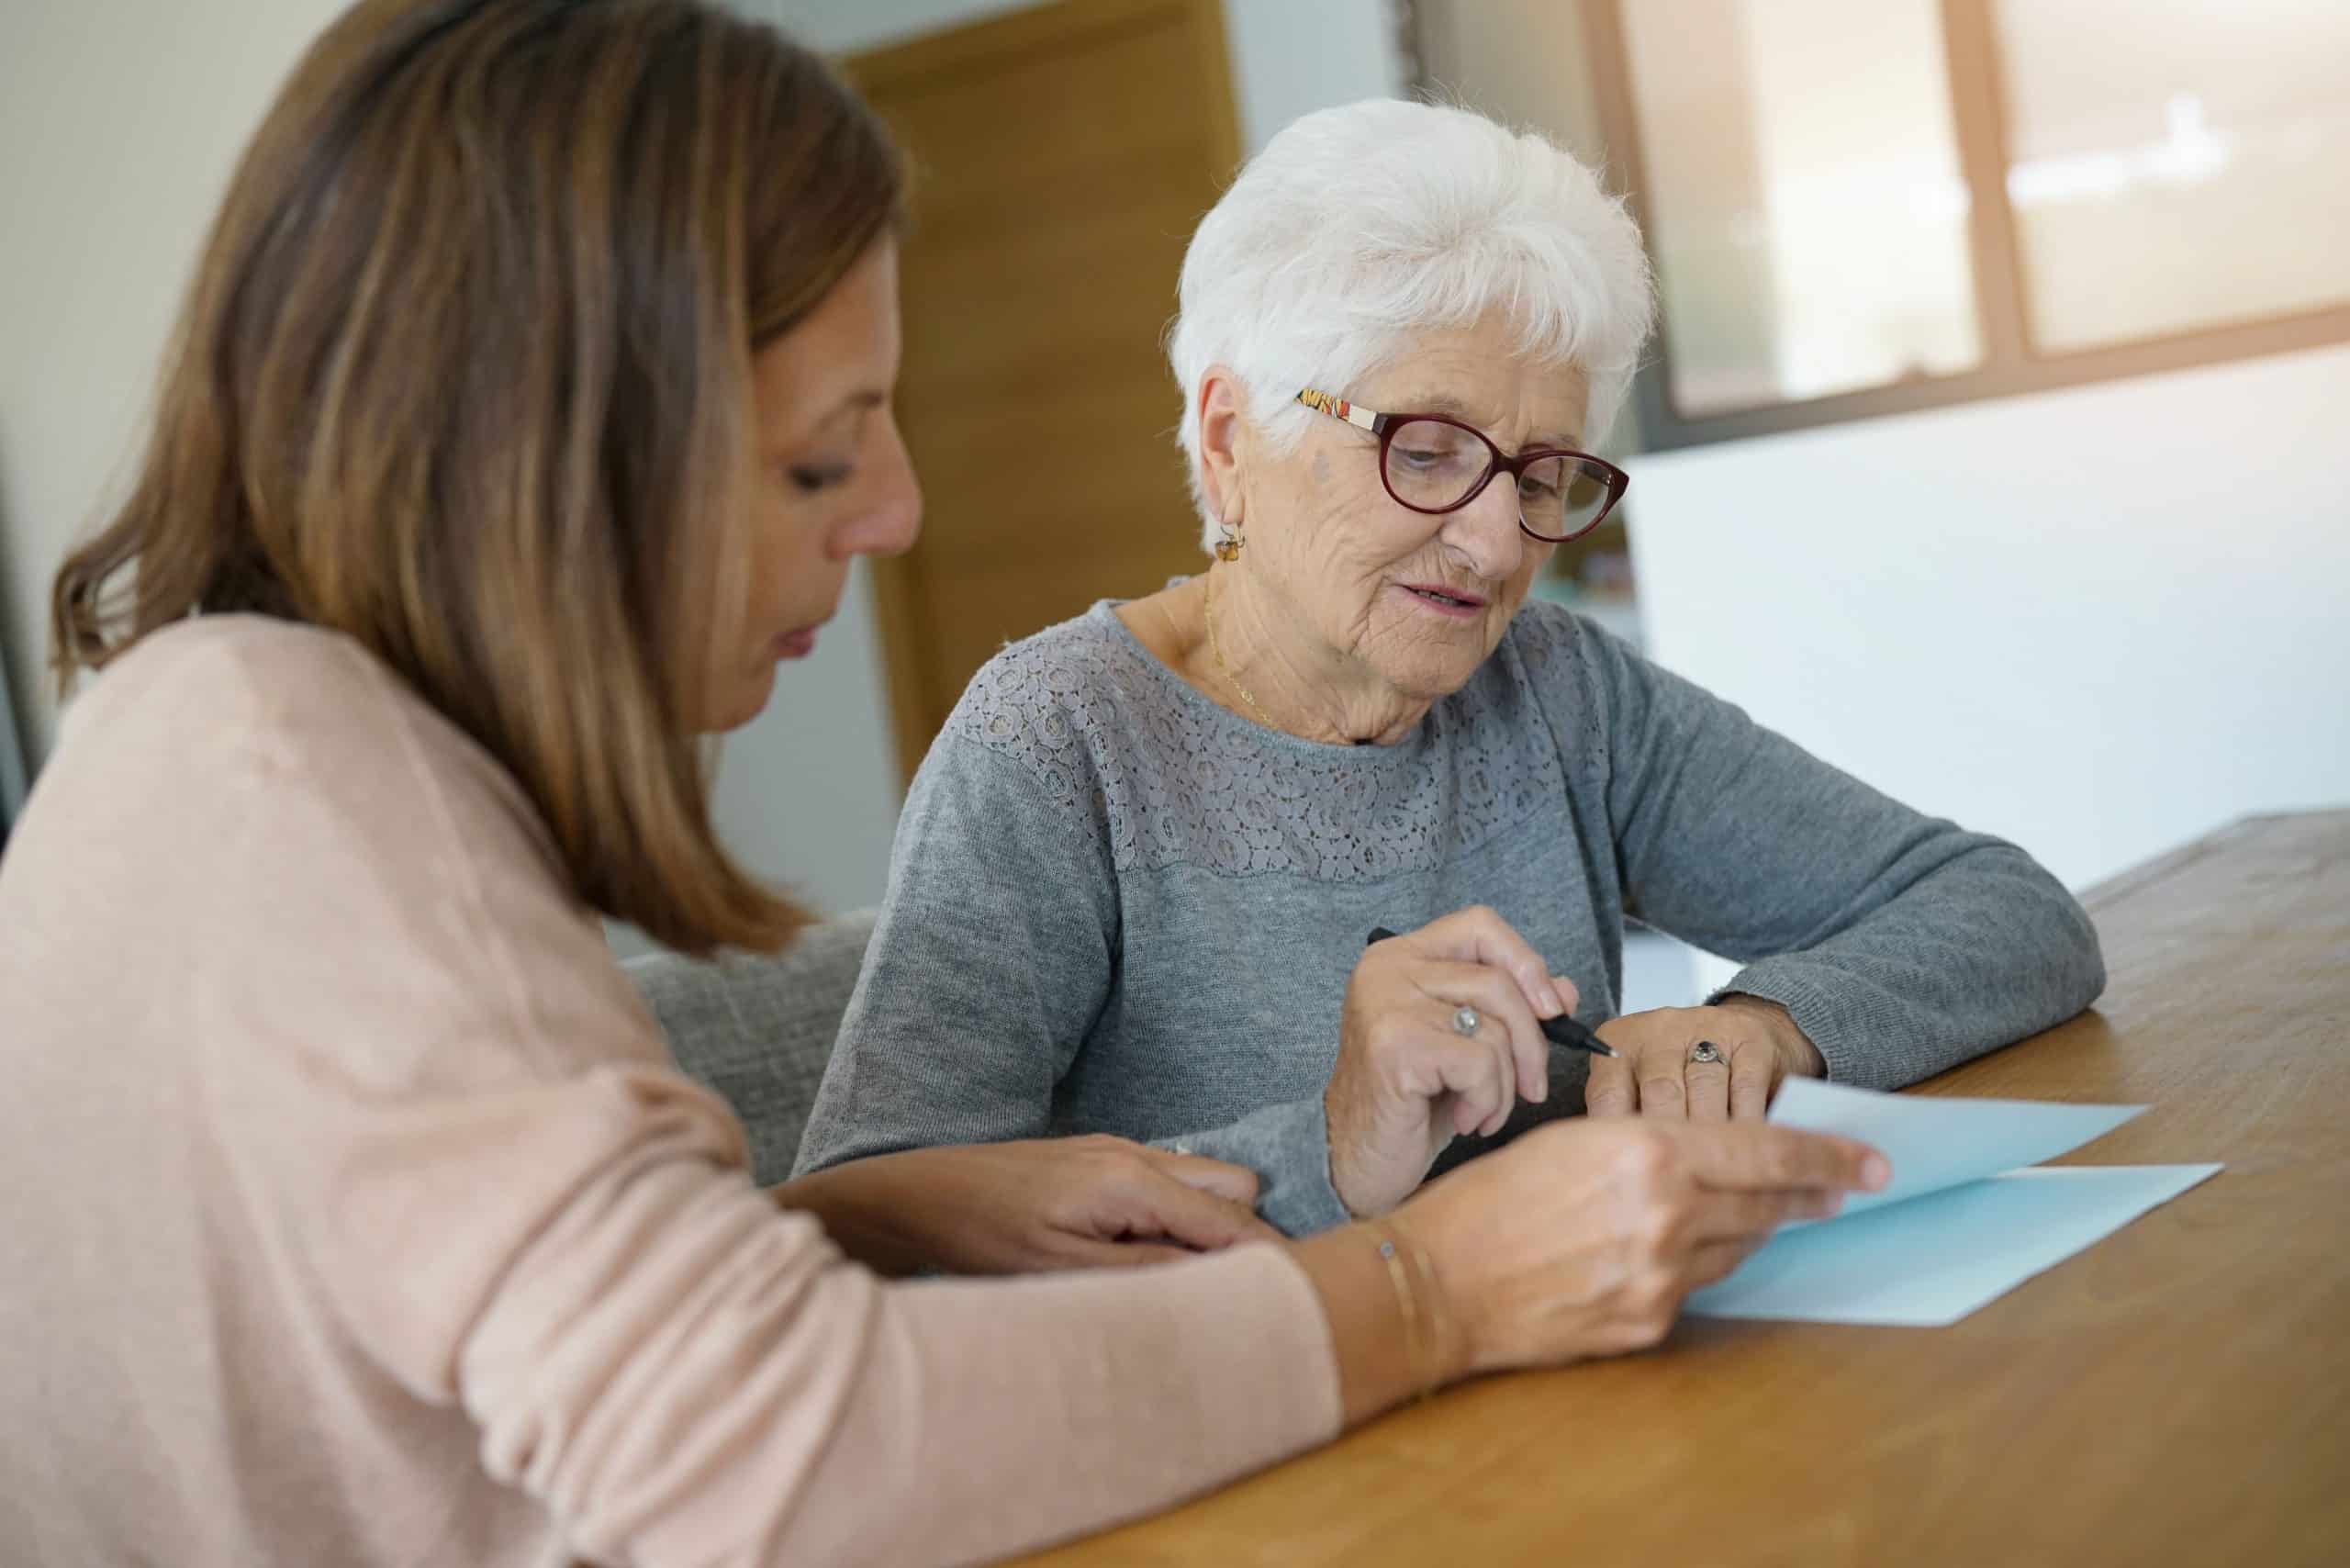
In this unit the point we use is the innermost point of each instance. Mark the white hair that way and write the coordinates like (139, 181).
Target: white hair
(1360, 227)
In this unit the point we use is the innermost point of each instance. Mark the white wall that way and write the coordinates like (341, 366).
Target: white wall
(1291, 57)
(2098, 621)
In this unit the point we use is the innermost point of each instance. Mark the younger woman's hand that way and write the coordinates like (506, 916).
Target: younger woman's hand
(1007, 1208)
(1581, 1237)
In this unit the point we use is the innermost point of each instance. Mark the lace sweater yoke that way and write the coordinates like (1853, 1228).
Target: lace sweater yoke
(1160, 776)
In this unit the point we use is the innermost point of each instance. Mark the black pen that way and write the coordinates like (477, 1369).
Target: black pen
(1559, 1031)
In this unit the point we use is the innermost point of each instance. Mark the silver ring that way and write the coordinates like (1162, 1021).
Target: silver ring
(1465, 1020)
(1705, 1051)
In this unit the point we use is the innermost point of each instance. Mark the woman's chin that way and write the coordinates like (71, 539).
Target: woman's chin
(1426, 678)
(1430, 666)
(743, 700)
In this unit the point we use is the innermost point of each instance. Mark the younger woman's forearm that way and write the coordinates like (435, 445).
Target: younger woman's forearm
(863, 1207)
(1383, 1355)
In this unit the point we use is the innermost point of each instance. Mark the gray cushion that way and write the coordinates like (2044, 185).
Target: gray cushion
(759, 1030)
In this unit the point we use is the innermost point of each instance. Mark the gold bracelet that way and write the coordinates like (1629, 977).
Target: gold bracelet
(1406, 1277)
(1431, 1311)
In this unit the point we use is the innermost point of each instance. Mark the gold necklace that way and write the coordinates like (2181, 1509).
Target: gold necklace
(1216, 648)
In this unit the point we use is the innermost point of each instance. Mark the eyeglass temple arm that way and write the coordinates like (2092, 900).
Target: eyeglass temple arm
(1339, 408)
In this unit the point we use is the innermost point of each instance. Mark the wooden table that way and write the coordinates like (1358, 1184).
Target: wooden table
(2178, 1393)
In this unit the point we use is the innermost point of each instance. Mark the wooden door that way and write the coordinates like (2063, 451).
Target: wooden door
(1061, 157)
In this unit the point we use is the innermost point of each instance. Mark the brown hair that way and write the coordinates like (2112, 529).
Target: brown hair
(464, 374)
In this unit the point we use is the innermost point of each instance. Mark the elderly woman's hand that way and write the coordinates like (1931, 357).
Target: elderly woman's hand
(1409, 1075)
(1660, 1069)
(1581, 1239)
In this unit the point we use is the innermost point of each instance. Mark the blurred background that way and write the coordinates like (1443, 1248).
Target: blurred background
(1993, 447)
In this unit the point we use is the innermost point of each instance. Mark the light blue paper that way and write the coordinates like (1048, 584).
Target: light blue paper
(1958, 1225)
(1932, 1259)
(1936, 1143)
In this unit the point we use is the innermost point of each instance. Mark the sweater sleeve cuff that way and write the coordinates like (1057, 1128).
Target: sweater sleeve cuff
(1288, 1146)
(1852, 1035)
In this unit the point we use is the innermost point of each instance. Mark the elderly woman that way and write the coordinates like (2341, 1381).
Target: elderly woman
(1134, 875)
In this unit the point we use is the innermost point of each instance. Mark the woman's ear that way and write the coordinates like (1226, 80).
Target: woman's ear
(1222, 430)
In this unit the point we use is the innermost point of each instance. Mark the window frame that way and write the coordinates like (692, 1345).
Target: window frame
(2010, 365)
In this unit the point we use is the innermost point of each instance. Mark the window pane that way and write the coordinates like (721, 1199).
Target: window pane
(2176, 164)
(1803, 198)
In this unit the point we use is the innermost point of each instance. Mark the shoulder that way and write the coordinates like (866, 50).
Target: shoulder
(1544, 636)
(264, 684)
(1547, 654)
(248, 701)
(1073, 668)
(1550, 685)
(1604, 699)
(1092, 734)
(288, 753)
(316, 803)
(232, 665)
(1560, 650)
(222, 704)
(1066, 701)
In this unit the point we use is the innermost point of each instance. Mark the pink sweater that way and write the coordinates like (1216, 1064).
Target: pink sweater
(351, 1210)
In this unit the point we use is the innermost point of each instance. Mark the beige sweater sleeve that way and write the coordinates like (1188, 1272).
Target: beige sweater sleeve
(448, 1105)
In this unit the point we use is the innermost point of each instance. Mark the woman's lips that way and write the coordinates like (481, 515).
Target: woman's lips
(795, 644)
(1456, 604)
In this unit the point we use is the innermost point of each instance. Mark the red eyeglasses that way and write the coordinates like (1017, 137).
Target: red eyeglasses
(1434, 464)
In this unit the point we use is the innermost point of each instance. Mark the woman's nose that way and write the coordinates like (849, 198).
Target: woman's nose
(1485, 531)
(891, 521)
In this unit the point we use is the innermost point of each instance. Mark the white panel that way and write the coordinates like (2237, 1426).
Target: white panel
(1291, 57)
(2098, 621)
(121, 120)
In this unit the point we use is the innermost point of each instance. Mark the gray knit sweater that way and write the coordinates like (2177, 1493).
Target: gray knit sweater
(1115, 906)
